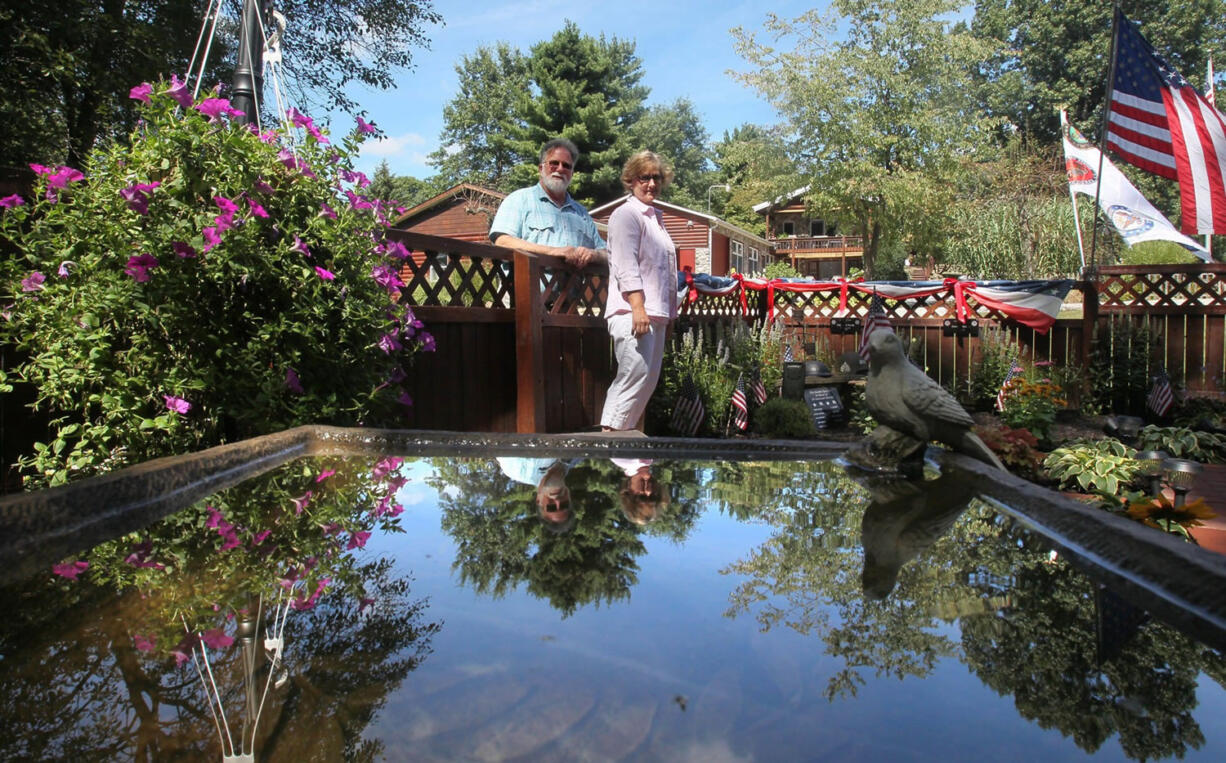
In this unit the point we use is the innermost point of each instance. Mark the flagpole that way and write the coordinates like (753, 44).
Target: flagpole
(1212, 98)
(1102, 135)
(1081, 247)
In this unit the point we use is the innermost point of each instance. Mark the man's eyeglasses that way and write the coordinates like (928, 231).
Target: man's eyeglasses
(649, 178)
(553, 164)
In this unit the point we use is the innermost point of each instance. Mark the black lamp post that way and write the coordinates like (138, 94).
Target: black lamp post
(248, 83)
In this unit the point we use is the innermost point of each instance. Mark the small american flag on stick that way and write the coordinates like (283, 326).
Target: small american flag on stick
(1015, 371)
(688, 412)
(740, 407)
(875, 321)
(1161, 396)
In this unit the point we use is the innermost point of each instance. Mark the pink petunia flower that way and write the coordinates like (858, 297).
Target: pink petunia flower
(397, 250)
(142, 642)
(177, 404)
(137, 196)
(300, 503)
(301, 246)
(365, 602)
(427, 342)
(386, 467)
(389, 343)
(302, 120)
(263, 187)
(325, 274)
(216, 638)
(358, 540)
(260, 537)
(227, 206)
(178, 91)
(33, 282)
(141, 92)
(365, 128)
(183, 249)
(62, 270)
(256, 209)
(326, 211)
(212, 237)
(213, 108)
(405, 400)
(293, 382)
(387, 278)
(325, 474)
(8, 202)
(70, 570)
(140, 265)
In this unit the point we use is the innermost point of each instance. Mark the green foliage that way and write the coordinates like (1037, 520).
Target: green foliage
(675, 131)
(1179, 442)
(1013, 220)
(880, 100)
(147, 310)
(480, 117)
(69, 65)
(780, 269)
(1121, 366)
(1157, 253)
(780, 417)
(988, 370)
(1032, 405)
(1101, 466)
(714, 355)
(404, 190)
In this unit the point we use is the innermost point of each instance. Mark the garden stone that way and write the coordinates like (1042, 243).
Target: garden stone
(904, 398)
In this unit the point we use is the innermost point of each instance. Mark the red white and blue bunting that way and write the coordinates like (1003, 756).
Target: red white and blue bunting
(1032, 303)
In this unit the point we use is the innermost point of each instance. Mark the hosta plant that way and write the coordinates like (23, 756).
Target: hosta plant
(1100, 466)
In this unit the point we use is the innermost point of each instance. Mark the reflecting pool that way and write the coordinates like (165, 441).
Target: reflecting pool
(345, 608)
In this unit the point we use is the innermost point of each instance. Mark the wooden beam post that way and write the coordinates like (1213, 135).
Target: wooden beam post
(529, 354)
(1089, 317)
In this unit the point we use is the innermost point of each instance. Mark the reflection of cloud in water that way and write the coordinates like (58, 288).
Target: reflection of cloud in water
(416, 492)
(710, 751)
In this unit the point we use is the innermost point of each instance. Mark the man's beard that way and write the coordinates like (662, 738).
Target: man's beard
(556, 185)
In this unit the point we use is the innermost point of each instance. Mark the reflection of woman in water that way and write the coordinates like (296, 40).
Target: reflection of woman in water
(640, 495)
(548, 476)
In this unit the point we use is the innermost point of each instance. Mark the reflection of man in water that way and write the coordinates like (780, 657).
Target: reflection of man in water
(641, 496)
(548, 476)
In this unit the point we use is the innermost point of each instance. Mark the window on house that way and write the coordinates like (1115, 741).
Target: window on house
(751, 267)
(737, 252)
(789, 228)
(817, 228)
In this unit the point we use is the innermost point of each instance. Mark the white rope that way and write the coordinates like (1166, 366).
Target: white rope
(204, 23)
(218, 712)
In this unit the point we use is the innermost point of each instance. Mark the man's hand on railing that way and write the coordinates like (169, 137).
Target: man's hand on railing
(581, 256)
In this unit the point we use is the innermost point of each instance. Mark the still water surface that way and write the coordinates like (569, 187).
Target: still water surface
(769, 610)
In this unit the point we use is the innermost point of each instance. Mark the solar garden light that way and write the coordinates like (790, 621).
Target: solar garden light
(1180, 473)
(1151, 467)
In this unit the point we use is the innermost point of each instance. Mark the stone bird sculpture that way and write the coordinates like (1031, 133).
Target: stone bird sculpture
(905, 399)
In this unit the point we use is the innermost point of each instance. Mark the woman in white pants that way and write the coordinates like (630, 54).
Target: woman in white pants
(642, 291)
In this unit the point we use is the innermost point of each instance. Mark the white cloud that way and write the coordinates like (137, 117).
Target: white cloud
(405, 154)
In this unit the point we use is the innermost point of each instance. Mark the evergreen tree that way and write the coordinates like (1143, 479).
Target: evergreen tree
(675, 132)
(585, 89)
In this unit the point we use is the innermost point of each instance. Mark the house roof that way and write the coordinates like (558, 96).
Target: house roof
(446, 196)
(716, 224)
(767, 206)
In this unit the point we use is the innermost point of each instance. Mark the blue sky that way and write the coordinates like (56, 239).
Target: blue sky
(686, 48)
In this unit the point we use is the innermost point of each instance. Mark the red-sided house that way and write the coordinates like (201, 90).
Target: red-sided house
(462, 212)
(707, 243)
(812, 245)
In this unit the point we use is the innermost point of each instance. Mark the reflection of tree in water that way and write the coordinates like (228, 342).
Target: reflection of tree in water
(501, 542)
(1028, 625)
(73, 686)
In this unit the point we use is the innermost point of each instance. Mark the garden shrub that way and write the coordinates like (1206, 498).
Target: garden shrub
(1180, 442)
(1016, 448)
(996, 354)
(1031, 405)
(1100, 466)
(1120, 368)
(201, 283)
(780, 417)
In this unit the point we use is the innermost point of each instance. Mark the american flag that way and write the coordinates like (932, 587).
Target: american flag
(1015, 371)
(740, 409)
(688, 413)
(1163, 125)
(873, 322)
(1161, 396)
(757, 387)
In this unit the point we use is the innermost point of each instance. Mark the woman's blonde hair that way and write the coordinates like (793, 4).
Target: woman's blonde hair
(643, 163)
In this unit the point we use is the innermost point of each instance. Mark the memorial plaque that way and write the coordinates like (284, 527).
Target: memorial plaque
(825, 407)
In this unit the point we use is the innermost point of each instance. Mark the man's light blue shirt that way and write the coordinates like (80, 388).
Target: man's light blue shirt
(530, 214)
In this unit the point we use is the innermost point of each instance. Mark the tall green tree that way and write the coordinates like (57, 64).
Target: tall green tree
(585, 89)
(675, 131)
(404, 190)
(475, 143)
(68, 65)
(756, 163)
(879, 117)
(1047, 55)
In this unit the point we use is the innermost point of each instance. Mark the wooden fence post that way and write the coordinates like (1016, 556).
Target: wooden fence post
(1089, 318)
(529, 355)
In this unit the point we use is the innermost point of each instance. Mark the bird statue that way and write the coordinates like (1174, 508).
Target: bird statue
(904, 398)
